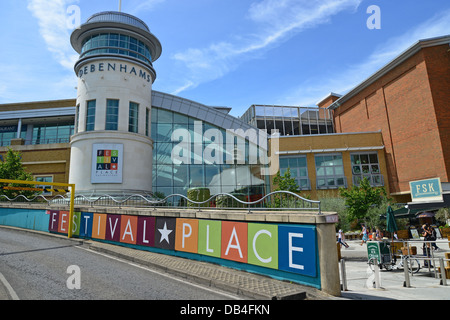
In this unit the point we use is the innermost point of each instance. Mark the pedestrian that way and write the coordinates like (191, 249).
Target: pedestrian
(341, 239)
(378, 234)
(364, 234)
(427, 235)
(433, 236)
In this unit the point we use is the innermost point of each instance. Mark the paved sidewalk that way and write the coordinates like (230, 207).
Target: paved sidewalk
(424, 284)
(241, 283)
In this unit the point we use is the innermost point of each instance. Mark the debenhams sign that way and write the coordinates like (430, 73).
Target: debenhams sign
(114, 67)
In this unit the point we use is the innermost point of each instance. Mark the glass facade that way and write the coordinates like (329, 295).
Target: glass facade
(116, 43)
(172, 178)
(59, 132)
(7, 133)
(290, 121)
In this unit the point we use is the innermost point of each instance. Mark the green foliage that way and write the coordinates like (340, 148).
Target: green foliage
(198, 195)
(336, 204)
(223, 201)
(285, 183)
(443, 215)
(11, 168)
(359, 199)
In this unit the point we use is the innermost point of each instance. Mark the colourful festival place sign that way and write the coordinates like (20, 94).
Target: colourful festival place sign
(287, 247)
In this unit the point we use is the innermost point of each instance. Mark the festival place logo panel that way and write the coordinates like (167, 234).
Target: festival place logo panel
(107, 163)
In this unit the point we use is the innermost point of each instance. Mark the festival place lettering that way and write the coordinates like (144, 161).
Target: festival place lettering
(290, 248)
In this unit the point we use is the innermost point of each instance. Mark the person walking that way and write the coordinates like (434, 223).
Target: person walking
(341, 239)
(364, 235)
(433, 237)
(427, 236)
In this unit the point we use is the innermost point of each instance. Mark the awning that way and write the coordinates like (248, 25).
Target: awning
(403, 213)
(430, 206)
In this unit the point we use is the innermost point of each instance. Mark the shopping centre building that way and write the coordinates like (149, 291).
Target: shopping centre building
(118, 136)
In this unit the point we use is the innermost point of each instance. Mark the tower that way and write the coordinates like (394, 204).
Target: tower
(111, 149)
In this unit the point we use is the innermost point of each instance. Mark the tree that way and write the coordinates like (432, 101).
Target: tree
(284, 183)
(12, 169)
(360, 198)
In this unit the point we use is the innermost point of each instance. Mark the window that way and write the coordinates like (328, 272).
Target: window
(298, 169)
(133, 118)
(116, 44)
(90, 116)
(77, 118)
(112, 114)
(52, 132)
(147, 122)
(44, 179)
(366, 165)
(7, 133)
(330, 171)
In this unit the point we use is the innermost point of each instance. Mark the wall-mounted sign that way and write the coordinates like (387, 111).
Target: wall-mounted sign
(426, 190)
(288, 248)
(107, 163)
(114, 67)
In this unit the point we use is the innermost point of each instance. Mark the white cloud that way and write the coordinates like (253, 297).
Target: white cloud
(140, 5)
(308, 93)
(52, 17)
(274, 21)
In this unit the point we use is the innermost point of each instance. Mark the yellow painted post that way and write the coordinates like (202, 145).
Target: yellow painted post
(57, 184)
(72, 200)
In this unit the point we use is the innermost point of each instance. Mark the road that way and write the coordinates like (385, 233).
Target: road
(38, 267)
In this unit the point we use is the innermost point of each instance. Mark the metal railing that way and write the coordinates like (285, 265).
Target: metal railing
(274, 201)
(430, 259)
(431, 266)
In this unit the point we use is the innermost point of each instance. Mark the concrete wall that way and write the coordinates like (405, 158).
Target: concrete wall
(31, 219)
(298, 247)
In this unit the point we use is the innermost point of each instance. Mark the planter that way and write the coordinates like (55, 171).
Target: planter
(403, 234)
(412, 251)
(198, 195)
(445, 232)
(223, 201)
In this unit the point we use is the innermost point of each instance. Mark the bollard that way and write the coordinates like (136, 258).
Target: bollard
(377, 275)
(406, 283)
(443, 275)
(343, 275)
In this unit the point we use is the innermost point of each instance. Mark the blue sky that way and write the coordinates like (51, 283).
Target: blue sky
(232, 53)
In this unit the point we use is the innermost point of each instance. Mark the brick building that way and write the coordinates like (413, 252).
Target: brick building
(408, 101)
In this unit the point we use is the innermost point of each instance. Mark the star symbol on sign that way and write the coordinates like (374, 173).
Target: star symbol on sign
(165, 233)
